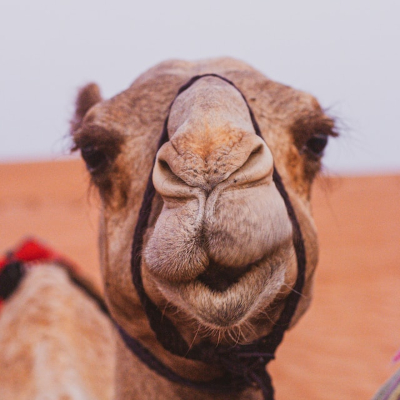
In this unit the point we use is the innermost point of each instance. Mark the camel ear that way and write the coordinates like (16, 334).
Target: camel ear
(88, 96)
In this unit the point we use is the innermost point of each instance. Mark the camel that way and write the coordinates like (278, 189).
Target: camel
(56, 342)
(217, 256)
(217, 259)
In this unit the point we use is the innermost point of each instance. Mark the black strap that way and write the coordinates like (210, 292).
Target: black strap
(244, 364)
(10, 278)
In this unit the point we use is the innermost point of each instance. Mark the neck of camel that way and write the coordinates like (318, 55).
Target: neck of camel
(136, 381)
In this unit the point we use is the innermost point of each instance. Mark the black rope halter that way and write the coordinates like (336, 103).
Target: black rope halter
(244, 365)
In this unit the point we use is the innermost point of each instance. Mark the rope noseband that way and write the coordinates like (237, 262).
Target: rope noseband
(244, 365)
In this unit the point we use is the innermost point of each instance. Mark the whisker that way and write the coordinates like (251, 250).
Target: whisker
(294, 291)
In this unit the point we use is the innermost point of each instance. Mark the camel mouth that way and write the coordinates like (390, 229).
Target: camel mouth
(224, 297)
(219, 278)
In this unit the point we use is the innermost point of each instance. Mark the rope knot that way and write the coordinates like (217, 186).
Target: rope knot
(247, 366)
(241, 362)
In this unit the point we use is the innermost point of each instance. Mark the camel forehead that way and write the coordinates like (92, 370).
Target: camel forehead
(146, 102)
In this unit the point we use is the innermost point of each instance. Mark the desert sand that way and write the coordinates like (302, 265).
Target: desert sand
(341, 349)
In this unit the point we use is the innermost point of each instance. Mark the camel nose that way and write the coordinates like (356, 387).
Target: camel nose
(181, 174)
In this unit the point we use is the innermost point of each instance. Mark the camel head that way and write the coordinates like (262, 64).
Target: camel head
(218, 255)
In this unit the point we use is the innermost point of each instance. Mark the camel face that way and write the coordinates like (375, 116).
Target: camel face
(218, 252)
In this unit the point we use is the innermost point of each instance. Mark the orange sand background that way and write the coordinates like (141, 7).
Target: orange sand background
(341, 349)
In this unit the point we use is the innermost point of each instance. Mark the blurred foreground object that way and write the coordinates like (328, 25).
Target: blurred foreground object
(56, 341)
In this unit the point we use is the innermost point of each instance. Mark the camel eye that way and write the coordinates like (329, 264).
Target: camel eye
(95, 158)
(316, 145)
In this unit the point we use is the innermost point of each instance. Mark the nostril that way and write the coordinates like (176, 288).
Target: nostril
(164, 165)
(257, 167)
(168, 173)
(254, 157)
(257, 150)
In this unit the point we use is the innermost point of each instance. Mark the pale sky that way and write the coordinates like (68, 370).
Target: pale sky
(346, 53)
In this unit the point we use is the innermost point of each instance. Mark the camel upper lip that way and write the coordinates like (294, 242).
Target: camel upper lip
(219, 278)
